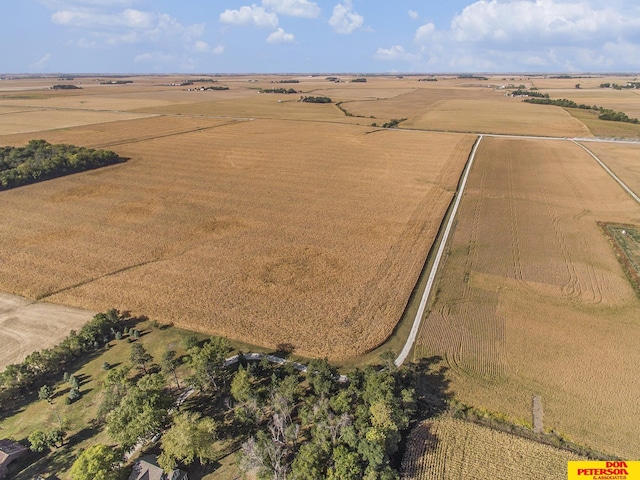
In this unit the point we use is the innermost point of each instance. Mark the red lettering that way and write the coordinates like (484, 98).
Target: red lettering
(617, 464)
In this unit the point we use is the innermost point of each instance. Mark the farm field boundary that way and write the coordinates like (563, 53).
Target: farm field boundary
(452, 449)
(27, 326)
(434, 268)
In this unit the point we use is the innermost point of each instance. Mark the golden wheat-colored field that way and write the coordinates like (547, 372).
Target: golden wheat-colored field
(499, 114)
(622, 158)
(532, 299)
(452, 449)
(273, 221)
(267, 231)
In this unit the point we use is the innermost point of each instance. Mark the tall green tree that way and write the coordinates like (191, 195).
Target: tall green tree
(140, 357)
(99, 462)
(207, 365)
(170, 364)
(141, 413)
(190, 437)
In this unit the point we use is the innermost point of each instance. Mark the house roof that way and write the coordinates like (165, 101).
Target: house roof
(10, 450)
(147, 469)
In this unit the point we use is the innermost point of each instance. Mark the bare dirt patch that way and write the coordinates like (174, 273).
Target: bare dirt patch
(27, 326)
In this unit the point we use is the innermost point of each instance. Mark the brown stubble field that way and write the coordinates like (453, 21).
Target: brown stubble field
(269, 231)
(532, 299)
(452, 449)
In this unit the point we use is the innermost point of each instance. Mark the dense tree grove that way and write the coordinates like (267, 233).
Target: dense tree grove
(288, 424)
(99, 462)
(278, 90)
(40, 160)
(326, 429)
(316, 99)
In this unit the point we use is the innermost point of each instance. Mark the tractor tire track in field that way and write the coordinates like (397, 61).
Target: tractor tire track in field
(438, 258)
(93, 279)
(165, 135)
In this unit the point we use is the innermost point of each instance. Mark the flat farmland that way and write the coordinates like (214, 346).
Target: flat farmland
(40, 120)
(627, 100)
(603, 128)
(256, 105)
(412, 103)
(111, 134)
(532, 300)
(452, 449)
(622, 158)
(267, 231)
(498, 114)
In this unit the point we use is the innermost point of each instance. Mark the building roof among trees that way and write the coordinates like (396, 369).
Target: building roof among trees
(147, 469)
(9, 451)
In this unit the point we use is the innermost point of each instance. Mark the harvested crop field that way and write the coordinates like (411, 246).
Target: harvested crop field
(504, 115)
(622, 158)
(40, 120)
(452, 449)
(532, 300)
(26, 326)
(266, 231)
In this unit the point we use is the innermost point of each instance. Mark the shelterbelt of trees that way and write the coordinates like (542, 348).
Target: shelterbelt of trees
(604, 113)
(40, 160)
(284, 424)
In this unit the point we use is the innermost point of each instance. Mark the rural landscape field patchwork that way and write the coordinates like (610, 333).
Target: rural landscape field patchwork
(276, 222)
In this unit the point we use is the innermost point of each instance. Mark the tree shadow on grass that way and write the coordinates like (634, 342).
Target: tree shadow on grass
(53, 462)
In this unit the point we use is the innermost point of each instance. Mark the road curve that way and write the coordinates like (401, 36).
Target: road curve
(436, 262)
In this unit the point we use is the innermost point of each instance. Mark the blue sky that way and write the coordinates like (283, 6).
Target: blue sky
(322, 36)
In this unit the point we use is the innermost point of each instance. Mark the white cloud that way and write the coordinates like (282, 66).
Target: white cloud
(344, 20)
(42, 62)
(218, 50)
(128, 18)
(425, 33)
(128, 26)
(86, 4)
(201, 47)
(280, 36)
(82, 43)
(413, 14)
(550, 22)
(531, 35)
(294, 8)
(395, 53)
(157, 57)
(250, 16)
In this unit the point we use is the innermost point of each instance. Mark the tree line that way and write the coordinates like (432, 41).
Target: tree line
(40, 160)
(287, 424)
(290, 426)
(604, 113)
(40, 367)
(316, 100)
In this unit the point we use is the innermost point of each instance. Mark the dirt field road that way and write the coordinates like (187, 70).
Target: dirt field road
(27, 326)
